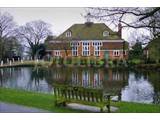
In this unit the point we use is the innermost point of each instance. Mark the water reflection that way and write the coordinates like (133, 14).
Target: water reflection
(138, 90)
(135, 86)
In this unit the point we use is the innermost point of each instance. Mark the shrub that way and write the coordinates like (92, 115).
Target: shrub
(60, 61)
(92, 61)
(78, 61)
(53, 61)
(149, 61)
(110, 62)
(115, 62)
(64, 61)
(69, 60)
(83, 61)
(101, 62)
(121, 63)
(74, 61)
(88, 61)
(136, 61)
(57, 61)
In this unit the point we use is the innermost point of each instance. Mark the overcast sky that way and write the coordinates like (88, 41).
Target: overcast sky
(59, 18)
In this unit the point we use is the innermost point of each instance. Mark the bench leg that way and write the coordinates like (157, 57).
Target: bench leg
(108, 108)
(64, 103)
(55, 102)
(101, 109)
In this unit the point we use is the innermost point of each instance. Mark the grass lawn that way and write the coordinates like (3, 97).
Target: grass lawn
(31, 99)
(46, 102)
(130, 107)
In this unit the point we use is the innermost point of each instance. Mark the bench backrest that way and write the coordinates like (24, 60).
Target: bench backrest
(78, 93)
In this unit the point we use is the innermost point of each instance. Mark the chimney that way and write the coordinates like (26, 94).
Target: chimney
(120, 30)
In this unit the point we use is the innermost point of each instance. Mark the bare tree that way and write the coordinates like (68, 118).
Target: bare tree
(7, 26)
(148, 18)
(33, 33)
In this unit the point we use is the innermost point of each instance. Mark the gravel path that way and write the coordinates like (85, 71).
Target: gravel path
(13, 108)
(89, 108)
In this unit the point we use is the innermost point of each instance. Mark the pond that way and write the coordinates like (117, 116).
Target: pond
(129, 85)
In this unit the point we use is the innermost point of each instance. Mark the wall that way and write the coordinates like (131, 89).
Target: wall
(110, 46)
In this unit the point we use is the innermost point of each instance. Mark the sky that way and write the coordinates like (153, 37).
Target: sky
(59, 18)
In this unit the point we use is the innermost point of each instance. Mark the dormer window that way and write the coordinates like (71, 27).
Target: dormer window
(105, 33)
(68, 34)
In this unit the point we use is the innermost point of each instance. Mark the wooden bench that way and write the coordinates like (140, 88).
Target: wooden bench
(70, 94)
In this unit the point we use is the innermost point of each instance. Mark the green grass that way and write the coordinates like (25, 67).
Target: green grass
(46, 102)
(30, 63)
(31, 99)
(130, 107)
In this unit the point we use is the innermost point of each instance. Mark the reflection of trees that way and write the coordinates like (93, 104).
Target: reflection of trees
(1, 77)
(154, 78)
(38, 79)
(139, 89)
(8, 77)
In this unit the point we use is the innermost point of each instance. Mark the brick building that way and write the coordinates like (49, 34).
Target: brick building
(87, 40)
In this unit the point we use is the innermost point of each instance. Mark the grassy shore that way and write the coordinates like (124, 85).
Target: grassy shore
(130, 107)
(28, 64)
(46, 102)
(31, 99)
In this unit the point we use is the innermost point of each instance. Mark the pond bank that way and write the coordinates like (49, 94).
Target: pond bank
(42, 63)
(148, 66)
(27, 64)
(46, 102)
(32, 99)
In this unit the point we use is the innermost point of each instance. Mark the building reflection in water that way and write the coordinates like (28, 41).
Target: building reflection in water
(111, 81)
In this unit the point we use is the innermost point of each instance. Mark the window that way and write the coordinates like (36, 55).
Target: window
(116, 53)
(74, 51)
(68, 34)
(105, 33)
(97, 48)
(57, 53)
(85, 49)
(74, 46)
(96, 43)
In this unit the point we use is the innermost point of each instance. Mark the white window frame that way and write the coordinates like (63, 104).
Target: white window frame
(96, 45)
(68, 34)
(57, 53)
(75, 51)
(116, 53)
(74, 46)
(86, 48)
(105, 34)
(97, 50)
